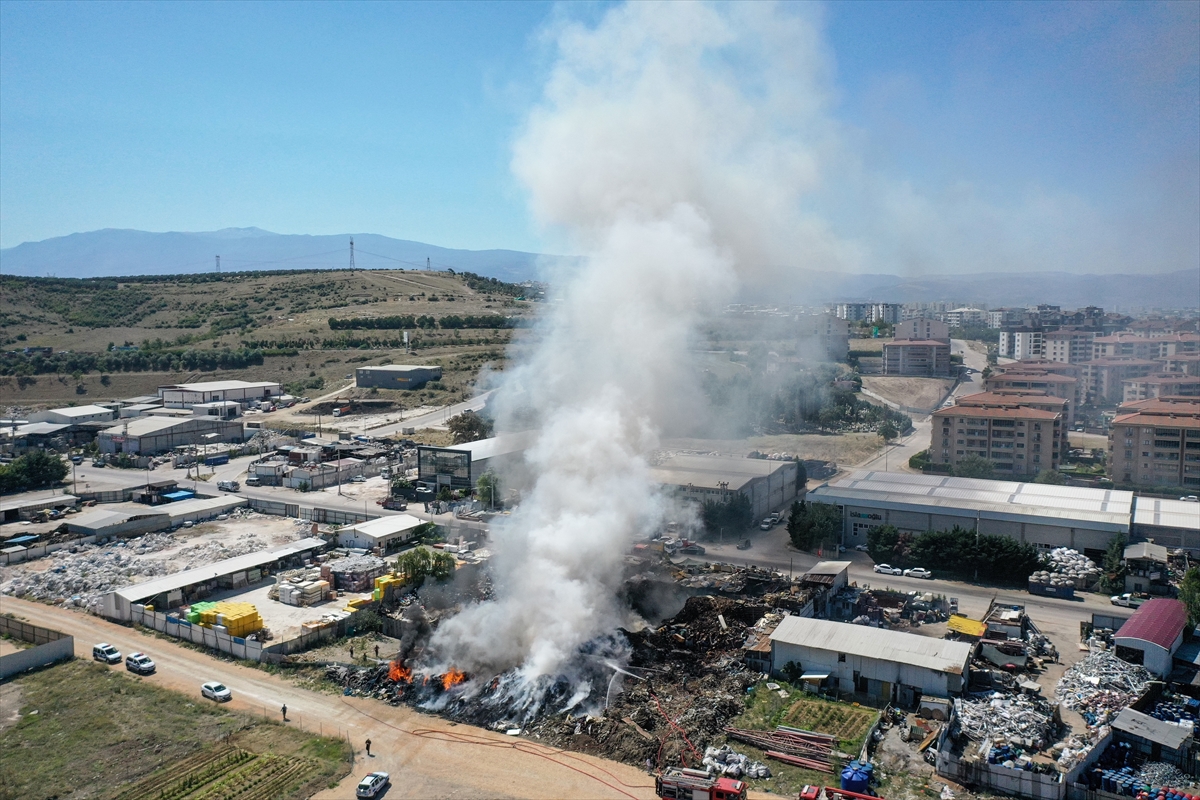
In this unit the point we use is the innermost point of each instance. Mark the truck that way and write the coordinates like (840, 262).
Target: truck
(1129, 599)
(696, 784)
(341, 411)
(229, 486)
(214, 461)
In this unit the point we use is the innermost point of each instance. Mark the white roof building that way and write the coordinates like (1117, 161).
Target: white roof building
(880, 663)
(382, 532)
(185, 395)
(75, 415)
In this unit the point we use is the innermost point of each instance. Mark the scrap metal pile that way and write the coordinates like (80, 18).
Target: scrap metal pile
(793, 746)
(1006, 719)
(1158, 773)
(1100, 685)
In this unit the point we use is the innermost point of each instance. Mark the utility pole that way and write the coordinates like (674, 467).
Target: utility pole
(218, 266)
(351, 252)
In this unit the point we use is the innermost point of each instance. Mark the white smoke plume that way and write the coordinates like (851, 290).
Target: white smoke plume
(672, 148)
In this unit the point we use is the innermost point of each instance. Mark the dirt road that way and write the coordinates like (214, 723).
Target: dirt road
(426, 755)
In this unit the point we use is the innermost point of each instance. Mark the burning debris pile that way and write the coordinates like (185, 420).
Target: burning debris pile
(1100, 685)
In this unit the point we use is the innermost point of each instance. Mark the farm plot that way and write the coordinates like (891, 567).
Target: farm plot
(849, 723)
(224, 773)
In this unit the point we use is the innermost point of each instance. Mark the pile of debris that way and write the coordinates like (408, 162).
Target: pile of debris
(725, 761)
(1073, 564)
(1005, 719)
(1100, 685)
(1158, 773)
(354, 574)
(794, 746)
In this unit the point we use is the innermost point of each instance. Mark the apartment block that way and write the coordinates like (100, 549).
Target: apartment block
(1022, 343)
(1005, 317)
(1183, 364)
(1019, 440)
(1130, 345)
(1161, 385)
(922, 328)
(1156, 443)
(1031, 378)
(958, 317)
(926, 358)
(890, 313)
(1069, 345)
(829, 333)
(1025, 399)
(1104, 378)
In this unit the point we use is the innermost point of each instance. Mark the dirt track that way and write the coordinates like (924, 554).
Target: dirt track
(426, 755)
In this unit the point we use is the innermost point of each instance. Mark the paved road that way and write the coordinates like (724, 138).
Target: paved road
(426, 755)
(436, 419)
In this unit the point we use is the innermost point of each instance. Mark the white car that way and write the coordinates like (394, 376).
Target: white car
(765, 525)
(918, 572)
(216, 691)
(372, 784)
(888, 569)
(862, 548)
(140, 663)
(107, 653)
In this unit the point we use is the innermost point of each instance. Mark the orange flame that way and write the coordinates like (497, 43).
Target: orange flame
(453, 678)
(397, 673)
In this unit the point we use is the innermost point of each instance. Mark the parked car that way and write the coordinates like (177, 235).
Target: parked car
(358, 479)
(371, 785)
(888, 569)
(765, 525)
(216, 691)
(918, 572)
(107, 653)
(744, 544)
(76, 459)
(1190, 498)
(253, 480)
(139, 663)
(692, 550)
(862, 548)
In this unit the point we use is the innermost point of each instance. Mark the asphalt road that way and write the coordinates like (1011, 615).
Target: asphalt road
(427, 756)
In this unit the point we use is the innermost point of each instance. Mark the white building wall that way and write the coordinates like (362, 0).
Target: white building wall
(928, 681)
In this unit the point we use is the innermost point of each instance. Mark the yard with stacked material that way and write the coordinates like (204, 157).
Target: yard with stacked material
(86, 730)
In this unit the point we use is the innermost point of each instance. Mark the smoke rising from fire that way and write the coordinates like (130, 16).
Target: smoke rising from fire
(671, 148)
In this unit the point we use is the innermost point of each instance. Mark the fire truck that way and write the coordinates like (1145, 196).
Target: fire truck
(696, 784)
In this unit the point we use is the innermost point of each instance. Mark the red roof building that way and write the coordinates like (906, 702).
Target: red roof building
(1152, 635)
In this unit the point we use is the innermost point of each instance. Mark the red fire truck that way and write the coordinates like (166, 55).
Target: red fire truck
(696, 784)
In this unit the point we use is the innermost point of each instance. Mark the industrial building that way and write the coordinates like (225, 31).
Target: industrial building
(125, 520)
(28, 505)
(75, 415)
(151, 435)
(181, 588)
(460, 466)
(1044, 515)
(888, 666)
(395, 376)
(921, 328)
(1152, 635)
(1169, 523)
(386, 533)
(1146, 568)
(186, 395)
(696, 478)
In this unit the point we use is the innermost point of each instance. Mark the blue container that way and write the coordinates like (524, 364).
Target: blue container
(855, 780)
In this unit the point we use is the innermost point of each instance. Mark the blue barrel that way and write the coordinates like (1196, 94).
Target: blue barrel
(855, 780)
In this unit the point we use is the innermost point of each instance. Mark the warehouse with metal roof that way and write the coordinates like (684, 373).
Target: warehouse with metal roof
(768, 484)
(885, 665)
(1152, 635)
(189, 585)
(1170, 523)
(1040, 514)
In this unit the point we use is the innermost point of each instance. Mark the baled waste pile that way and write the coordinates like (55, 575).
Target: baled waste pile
(1073, 564)
(724, 760)
(1001, 719)
(1100, 685)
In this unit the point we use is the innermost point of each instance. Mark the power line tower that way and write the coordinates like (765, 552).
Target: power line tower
(352, 254)
(218, 265)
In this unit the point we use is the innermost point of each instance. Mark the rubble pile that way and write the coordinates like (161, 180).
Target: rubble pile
(724, 760)
(1100, 685)
(81, 575)
(1005, 719)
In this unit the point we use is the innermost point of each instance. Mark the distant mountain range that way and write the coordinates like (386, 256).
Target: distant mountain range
(113, 252)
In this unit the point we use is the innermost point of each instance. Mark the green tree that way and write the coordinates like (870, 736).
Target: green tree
(887, 431)
(1189, 593)
(442, 566)
(41, 469)
(974, 467)
(469, 427)
(488, 487)
(1112, 578)
(733, 514)
(816, 524)
(882, 541)
(1051, 476)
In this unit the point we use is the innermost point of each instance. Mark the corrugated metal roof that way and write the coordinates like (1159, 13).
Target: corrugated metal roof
(1158, 621)
(1147, 727)
(385, 526)
(217, 386)
(1146, 551)
(991, 499)
(1167, 513)
(939, 655)
(179, 580)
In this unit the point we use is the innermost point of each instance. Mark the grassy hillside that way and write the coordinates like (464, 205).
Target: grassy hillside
(115, 338)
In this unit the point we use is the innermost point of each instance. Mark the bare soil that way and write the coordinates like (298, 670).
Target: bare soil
(912, 392)
(847, 448)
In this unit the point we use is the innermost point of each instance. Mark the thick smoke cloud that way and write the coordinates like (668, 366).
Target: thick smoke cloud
(672, 147)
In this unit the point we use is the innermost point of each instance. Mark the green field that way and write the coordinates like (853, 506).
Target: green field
(98, 732)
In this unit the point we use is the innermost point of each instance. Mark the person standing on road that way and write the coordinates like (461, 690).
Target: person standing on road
(377, 651)
(351, 652)
(368, 747)
(284, 710)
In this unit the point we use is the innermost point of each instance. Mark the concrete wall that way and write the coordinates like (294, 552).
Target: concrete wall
(40, 550)
(50, 647)
(892, 673)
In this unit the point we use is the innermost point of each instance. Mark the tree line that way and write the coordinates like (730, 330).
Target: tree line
(958, 552)
(189, 360)
(405, 321)
(34, 470)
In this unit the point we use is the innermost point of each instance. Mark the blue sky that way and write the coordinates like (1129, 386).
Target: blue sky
(1055, 122)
